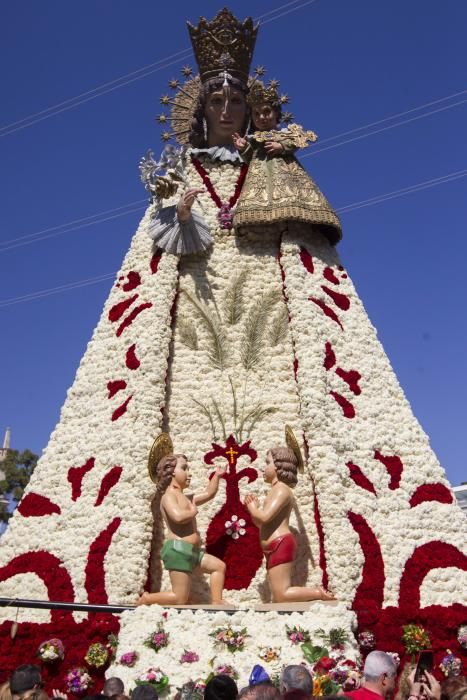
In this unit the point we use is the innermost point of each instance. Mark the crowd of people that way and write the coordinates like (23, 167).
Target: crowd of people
(380, 681)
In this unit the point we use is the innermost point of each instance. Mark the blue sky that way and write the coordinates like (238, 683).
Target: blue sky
(345, 64)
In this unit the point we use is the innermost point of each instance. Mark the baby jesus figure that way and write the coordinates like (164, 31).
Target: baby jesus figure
(277, 190)
(182, 553)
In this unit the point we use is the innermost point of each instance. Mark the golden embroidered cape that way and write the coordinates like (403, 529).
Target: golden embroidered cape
(278, 190)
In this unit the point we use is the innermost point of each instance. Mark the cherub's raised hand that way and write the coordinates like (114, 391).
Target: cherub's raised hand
(273, 148)
(220, 471)
(251, 499)
(239, 142)
(186, 202)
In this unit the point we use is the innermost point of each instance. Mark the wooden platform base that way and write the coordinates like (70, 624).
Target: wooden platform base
(203, 606)
(262, 607)
(293, 607)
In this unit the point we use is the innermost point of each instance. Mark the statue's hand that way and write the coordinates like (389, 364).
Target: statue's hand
(185, 203)
(273, 148)
(239, 142)
(251, 499)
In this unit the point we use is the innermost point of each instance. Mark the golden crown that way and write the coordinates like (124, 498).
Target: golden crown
(224, 44)
(264, 94)
(260, 94)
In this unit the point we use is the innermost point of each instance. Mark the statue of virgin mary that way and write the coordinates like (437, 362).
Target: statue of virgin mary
(232, 374)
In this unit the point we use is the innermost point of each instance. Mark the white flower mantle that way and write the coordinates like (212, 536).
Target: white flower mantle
(189, 630)
(382, 422)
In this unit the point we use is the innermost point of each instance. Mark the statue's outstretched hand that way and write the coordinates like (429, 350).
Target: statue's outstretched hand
(186, 202)
(239, 142)
(273, 148)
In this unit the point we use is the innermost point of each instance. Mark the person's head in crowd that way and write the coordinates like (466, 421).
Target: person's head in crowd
(113, 686)
(221, 687)
(295, 694)
(5, 692)
(144, 692)
(405, 686)
(261, 691)
(379, 672)
(25, 678)
(296, 677)
(452, 685)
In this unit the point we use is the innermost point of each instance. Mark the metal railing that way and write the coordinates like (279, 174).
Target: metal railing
(58, 605)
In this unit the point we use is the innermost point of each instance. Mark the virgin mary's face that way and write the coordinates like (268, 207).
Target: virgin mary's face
(224, 115)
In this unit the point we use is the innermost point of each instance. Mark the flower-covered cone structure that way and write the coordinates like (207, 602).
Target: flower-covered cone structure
(222, 348)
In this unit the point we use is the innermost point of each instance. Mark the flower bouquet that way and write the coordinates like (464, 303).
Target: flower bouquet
(158, 639)
(97, 655)
(77, 681)
(451, 665)
(395, 657)
(233, 639)
(415, 639)
(270, 654)
(462, 636)
(226, 670)
(51, 650)
(345, 673)
(129, 658)
(323, 685)
(366, 640)
(112, 644)
(154, 677)
(192, 690)
(335, 638)
(297, 635)
(189, 657)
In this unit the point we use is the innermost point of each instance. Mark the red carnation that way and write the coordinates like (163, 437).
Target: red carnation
(324, 664)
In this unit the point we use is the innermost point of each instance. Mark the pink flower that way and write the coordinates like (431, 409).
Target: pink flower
(129, 658)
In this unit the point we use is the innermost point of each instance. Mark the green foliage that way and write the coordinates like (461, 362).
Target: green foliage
(234, 302)
(18, 468)
(208, 415)
(259, 329)
(257, 413)
(188, 335)
(312, 653)
(217, 350)
(336, 637)
(279, 326)
(255, 328)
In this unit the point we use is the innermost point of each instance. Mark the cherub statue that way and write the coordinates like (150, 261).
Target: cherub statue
(279, 544)
(181, 553)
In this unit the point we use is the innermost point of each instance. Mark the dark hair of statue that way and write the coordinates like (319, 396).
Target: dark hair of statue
(197, 138)
(165, 471)
(286, 464)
